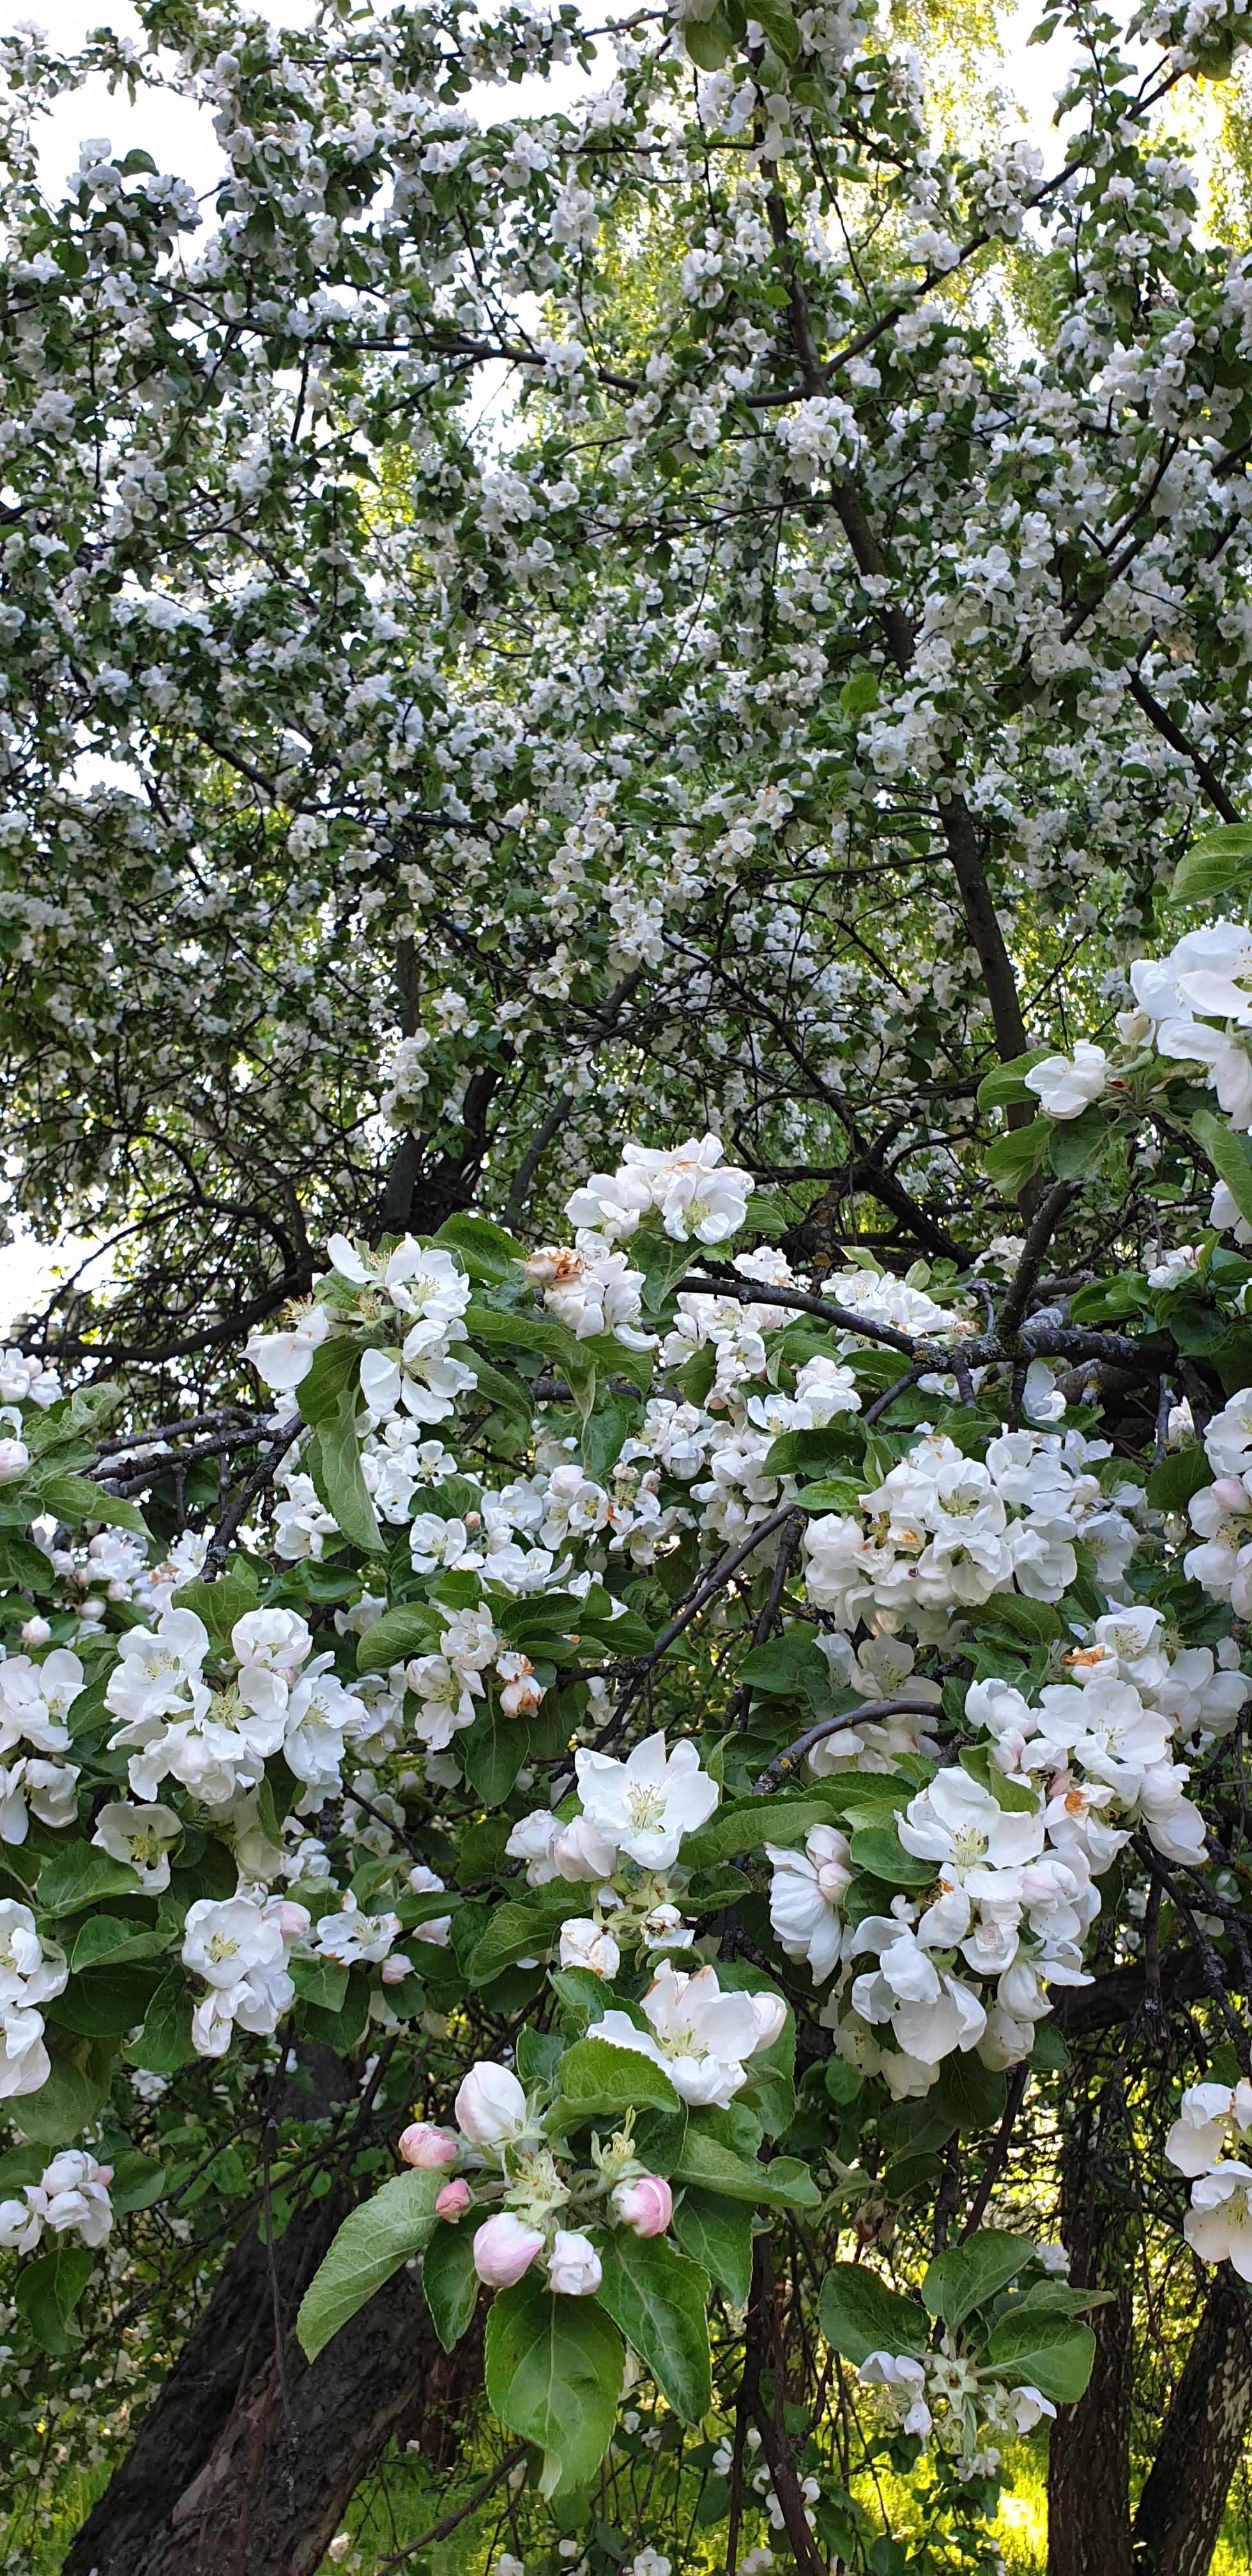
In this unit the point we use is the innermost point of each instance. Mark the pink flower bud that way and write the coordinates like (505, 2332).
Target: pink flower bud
(36, 1631)
(453, 2200)
(293, 1920)
(104, 2174)
(832, 1879)
(503, 2249)
(1231, 1493)
(395, 1969)
(427, 2147)
(646, 2205)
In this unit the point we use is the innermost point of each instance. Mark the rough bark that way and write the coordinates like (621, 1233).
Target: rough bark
(1089, 2458)
(1181, 2507)
(1089, 2447)
(249, 2456)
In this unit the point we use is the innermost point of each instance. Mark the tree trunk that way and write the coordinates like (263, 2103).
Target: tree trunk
(1181, 2507)
(1089, 2445)
(248, 2458)
(1089, 2457)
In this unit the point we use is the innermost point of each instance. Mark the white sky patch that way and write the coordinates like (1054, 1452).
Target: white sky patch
(30, 1270)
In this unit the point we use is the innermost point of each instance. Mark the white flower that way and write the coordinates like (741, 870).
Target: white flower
(646, 1804)
(805, 1893)
(34, 1700)
(930, 2011)
(585, 1944)
(702, 2037)
(695, 1199)
(72, 2192)
(354, 1937)
(283, 1360)
(490, 2108)
(1212, 970)
(1199, 2133)
(1064, 1087)
(959, 1824)
(275, 1641)
(1218, 2225)
(1029, 2408)
(573, 2265)
(143, 1837)
(592, 1293)
(32, 1972)
(578, 1850)
(902, 2374)
(238, 1947)
(1228, 1437)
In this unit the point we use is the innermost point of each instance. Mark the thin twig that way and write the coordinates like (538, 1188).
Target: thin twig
(998, 2154)
(440, 2530)
(784, 1764)
(216, 1552)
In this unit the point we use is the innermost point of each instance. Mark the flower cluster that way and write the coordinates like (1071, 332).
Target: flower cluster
(1218, 2225)
(71, 2196)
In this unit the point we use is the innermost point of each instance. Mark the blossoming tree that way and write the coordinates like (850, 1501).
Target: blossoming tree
(624, 1621)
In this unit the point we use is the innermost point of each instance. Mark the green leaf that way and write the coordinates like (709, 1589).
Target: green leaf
(1006, 1085)
(1046, 2351)
(332, 1374)
(783, 2184)
(1215, 1139)
(81, 1875)
(554, 2370)
(1015, 1796)
(752, 1822)
(1014, 1159)
(784, 35)
(966, 2276)
(523, 1929)
(790, 1664)
(219, 1604)
(492, 1753)
(76, 1498)
(75, 2090)
(597, 2076)
(609, 1423)
(107, 2002)
(450, 2280)
(717, 2234)
(414, 1628)
(971, 2095)
(486, 1251)
(860, 2315)
(137, 2182)
(1076, 1144)
(48, 2291)
(372, 2243)
(859, 694)
(878, 1849)
(323, 1982)
(575, 1361)
(1219, 859)
(347, 1496)
(107, 1937)
(660, 2301)
(1171, 1485)
(164, 2043)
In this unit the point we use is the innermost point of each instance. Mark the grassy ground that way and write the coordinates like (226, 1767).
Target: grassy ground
(404, 2504)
